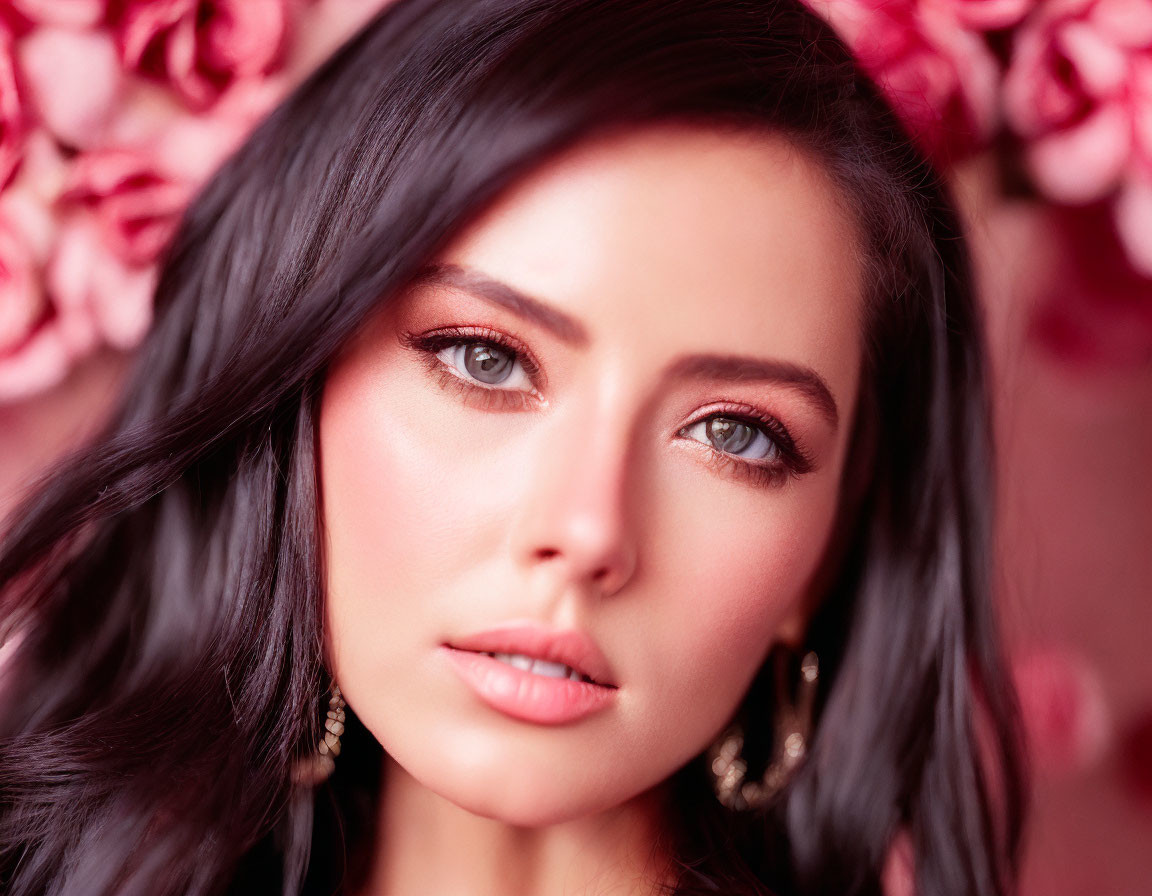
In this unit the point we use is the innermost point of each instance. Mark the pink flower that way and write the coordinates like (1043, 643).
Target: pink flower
(1079, 90)
(74, 81)
(200, 47)
(13, 117)
(135, 204)
(938, 73)
(66, 13)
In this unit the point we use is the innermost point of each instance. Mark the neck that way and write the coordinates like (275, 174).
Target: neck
(426, 844)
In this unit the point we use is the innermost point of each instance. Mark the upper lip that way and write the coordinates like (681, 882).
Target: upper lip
(568, 646)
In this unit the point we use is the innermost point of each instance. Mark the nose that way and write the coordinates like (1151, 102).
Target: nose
(576, 520)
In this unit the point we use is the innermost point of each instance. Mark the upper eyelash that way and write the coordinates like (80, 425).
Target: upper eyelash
(794, 459)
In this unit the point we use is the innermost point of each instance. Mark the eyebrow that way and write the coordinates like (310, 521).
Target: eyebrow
(728, 368)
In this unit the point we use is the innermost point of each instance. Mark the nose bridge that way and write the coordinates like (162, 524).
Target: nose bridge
(577, 517)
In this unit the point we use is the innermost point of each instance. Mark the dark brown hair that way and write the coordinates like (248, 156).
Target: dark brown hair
(168, 578)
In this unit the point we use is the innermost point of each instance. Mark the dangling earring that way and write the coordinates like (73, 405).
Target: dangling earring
(317, 767)
(792, 726)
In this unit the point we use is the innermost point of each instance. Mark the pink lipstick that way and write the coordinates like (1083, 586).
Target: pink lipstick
(534, 673)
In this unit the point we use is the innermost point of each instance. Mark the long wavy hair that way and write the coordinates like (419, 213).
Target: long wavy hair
(167, 579)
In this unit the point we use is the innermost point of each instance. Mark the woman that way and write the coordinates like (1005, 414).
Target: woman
(589, 395)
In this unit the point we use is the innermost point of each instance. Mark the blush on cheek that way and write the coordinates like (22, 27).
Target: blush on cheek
(746, 581)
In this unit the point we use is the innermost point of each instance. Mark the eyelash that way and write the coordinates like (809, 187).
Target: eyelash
(793, 460)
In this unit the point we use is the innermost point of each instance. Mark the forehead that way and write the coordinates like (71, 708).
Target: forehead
(697, 239)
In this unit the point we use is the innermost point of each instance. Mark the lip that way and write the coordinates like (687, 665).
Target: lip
(525, 695)
(568, 646)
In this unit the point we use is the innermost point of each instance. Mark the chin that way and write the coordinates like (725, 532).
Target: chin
(523, 800)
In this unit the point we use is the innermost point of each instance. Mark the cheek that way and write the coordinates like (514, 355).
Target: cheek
(733, 577)
(406, 495)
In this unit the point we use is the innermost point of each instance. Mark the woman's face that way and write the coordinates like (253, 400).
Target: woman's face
(607, 431)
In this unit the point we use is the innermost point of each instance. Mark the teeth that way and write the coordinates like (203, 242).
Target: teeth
(538, 667)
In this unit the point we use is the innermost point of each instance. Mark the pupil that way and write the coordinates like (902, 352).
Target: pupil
(729, 435)
(486, 363)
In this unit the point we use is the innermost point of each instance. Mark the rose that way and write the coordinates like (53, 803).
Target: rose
(200, 47)
(939, 74)
(120, 209)
(1079, 91)
(133, 202)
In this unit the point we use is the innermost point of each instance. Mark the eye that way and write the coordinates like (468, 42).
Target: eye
(734, 436)
(488, 363)
(483, 366)
(750, 445)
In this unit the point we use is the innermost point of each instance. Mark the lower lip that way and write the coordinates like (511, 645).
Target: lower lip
(525, 695)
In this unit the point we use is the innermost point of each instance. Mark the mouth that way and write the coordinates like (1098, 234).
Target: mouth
(538, 666)
(549, 696)
(538, 650)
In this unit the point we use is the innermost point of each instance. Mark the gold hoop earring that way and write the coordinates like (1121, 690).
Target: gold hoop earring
(792, 726)
(317, 768)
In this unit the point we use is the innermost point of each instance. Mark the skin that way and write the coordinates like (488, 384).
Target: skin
(581, 500)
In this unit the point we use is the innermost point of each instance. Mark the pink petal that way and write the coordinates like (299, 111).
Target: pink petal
(182, 68)
(75, 81)
(22, 301)
(246, 37)
(1102, 67)
(1082, 164)
(67, 13)
(71, 266)
(992, 15)
(41, 363)
(121, 302)
(144, 24)
(1126, 22)
(100, 297)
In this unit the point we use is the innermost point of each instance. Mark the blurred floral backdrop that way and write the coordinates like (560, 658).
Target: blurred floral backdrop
(114, 112)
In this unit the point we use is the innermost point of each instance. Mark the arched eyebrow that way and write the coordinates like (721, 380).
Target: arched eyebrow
(562, 326)
(723, 368)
